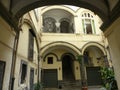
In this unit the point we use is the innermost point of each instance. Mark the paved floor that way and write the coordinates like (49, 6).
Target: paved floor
(73, 88)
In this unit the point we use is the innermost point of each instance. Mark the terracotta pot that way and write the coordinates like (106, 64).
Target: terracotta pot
(84, 88)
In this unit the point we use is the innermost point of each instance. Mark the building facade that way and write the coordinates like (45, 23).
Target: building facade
(64, 33)
(48, 46)
(68, 32)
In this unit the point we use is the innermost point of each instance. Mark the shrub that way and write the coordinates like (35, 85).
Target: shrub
(38, 86)
(108, 78)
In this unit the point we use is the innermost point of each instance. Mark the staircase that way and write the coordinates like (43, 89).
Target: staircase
(69, 80)
(71, 84)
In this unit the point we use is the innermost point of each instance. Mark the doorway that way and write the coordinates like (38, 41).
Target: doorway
(50, 78)
(93, 76)
(64, 27)
(67, 67)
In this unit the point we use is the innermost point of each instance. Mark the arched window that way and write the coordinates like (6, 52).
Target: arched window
(49, 25)
(65, 26)
(88, 23)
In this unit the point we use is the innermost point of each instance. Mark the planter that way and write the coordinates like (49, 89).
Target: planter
(84, 88)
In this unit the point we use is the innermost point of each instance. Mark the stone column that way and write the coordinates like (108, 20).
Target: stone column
(83, 74)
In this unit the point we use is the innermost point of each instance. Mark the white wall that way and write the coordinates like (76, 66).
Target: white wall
(113, 36)
(22, 55)
(6, 50)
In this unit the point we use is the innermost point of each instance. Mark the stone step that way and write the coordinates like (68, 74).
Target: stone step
(70, 83)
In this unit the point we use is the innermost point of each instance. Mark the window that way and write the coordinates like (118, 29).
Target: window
(23, 72)
(64, 27)
(31, 45)
(50, 60)
(2, 70)
(49, 25)
(88, 23)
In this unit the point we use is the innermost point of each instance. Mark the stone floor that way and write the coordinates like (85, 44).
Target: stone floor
(73, 88)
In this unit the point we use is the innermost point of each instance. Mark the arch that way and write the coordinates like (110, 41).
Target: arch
(60, 44)
(70, 54)
(67, 67)
(94, 55)
(82, 11)
(23, 6)
(64, 19)
(67, 9)
(44, 58)
(88, 22)
(31, 25)
(101, 47)
(49, 24)
(28, 22)
(86, 14)
(64, 25)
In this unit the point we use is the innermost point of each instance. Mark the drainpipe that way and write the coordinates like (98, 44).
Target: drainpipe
(12, 74)
(38, 69)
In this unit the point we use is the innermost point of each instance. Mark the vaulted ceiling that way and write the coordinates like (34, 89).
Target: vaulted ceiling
(14, 9)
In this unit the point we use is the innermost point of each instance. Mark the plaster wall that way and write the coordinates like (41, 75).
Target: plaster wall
(35, 18)
(6, 50)
(75, 39)
(76, 69)
(78, 38)
(22, 55)
(112, 34)
(56, 65)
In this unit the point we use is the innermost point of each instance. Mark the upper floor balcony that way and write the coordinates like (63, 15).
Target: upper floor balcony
(61, 24)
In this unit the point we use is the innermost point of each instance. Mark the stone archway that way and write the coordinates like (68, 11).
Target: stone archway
(94, 58)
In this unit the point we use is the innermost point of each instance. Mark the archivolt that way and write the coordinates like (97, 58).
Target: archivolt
(101, 47)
